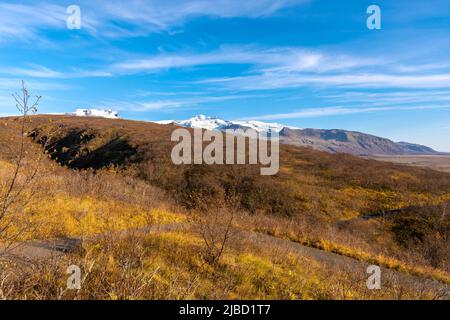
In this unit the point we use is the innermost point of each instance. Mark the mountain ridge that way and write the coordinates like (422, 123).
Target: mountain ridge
(215, 123)
(329, 140)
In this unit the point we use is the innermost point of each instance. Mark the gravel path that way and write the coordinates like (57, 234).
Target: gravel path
(46, 249)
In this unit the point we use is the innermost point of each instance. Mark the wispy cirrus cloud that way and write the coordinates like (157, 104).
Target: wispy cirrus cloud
(259, 60)
(163, 15)
(10, 85)
(399, 97)
(270, 69)
(33, 71)
(349, 79)
(339, 111)
(30, 20)
(38, 71)
(268, 60)
(171, 104)
(27, 20)
(294, 67)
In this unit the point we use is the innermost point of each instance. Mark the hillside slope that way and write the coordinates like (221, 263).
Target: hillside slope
(356, 143)
(145, 148)
(306, 202)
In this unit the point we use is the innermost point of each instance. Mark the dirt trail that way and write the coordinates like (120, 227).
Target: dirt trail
(46, 249)
(350, 265)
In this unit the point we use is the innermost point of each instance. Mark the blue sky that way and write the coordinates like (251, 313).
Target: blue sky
(306, 63)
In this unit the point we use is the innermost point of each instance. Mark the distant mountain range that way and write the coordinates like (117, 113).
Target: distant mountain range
(334, 141)
(357, 143)
(212, 123)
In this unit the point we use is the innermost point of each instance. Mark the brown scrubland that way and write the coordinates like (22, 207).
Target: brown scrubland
(306, 233)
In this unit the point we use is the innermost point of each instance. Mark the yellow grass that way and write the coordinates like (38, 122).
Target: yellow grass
(355, 253)
(63, 216)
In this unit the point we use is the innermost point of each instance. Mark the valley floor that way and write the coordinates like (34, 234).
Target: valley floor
(436, 162)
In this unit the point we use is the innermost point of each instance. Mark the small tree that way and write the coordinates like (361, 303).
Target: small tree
(216, 229)
(17, 190)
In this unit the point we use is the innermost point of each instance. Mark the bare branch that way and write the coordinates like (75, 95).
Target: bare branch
(12, 196)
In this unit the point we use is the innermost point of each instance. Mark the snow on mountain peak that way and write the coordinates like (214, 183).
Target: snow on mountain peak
(261, 126)
(204, 122)
(214, 123)
(110, 114)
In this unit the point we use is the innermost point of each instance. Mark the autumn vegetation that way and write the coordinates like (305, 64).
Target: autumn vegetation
(153, 230)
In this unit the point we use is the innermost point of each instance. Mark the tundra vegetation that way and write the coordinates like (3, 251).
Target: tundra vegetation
(155, 230)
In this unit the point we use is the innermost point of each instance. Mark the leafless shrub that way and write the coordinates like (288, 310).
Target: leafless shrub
(216, 229)
(21, 188)
(18, 192)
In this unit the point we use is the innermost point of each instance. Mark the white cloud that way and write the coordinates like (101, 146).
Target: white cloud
(225, 55)
(278, 60)
(11, 85)
(337, 111)
(399, 97)
(20, 21)
(170, 104)
(260, 60)
(34, 71)
(272, 80)
(267, 69)
(38, 71)
(117, 18)
(159, 15)
(293, 67)
(427, 67)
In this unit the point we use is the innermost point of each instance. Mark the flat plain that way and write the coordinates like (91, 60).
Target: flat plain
(436, 162)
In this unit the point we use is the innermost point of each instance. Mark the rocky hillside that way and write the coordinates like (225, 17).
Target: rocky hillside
(356, 143)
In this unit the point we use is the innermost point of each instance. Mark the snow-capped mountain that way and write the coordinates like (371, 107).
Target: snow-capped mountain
(110, 114)
(334, 140)
(213, 123)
